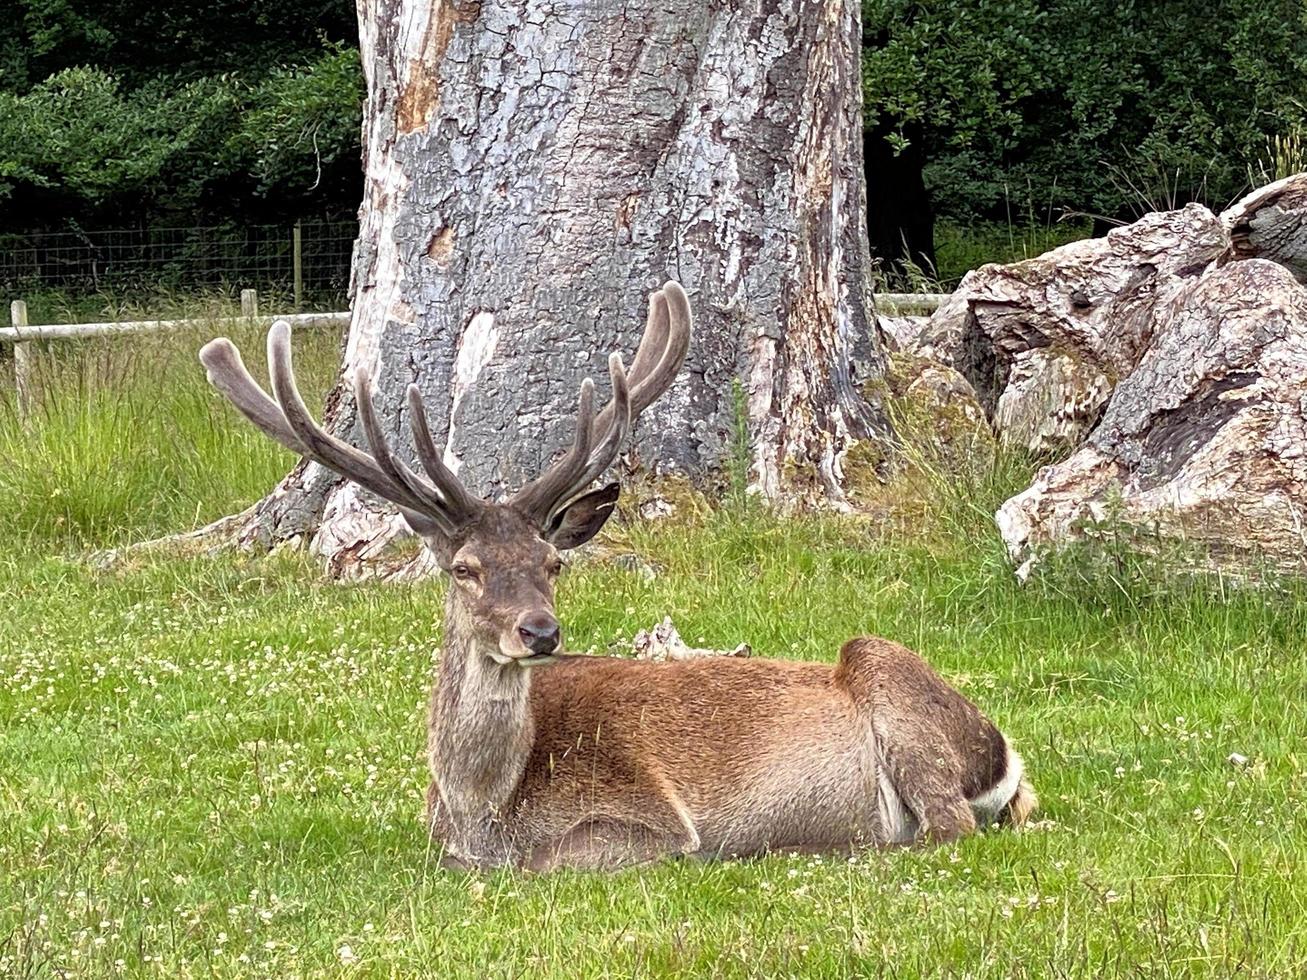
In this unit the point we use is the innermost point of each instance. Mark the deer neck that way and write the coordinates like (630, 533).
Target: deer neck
(481, 729)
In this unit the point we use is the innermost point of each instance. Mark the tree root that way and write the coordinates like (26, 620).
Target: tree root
(224, 534)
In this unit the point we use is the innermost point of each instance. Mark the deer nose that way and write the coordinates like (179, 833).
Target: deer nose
(540, 633)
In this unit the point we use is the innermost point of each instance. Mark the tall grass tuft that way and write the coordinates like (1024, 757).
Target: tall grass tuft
(739, 457)
(125, 440)
(959, 249)
(1286, 155)
(947, 476)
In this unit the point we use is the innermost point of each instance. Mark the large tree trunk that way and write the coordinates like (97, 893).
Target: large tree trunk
(534, 170)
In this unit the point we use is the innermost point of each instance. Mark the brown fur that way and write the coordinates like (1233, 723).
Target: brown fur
(601, 762)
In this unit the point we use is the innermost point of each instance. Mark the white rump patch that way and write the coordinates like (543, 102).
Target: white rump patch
(989, 804)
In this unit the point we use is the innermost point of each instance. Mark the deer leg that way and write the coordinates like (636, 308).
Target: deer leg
(929, 783)
(640, 819)
(603, 845)
(645, 826)
(450, 863)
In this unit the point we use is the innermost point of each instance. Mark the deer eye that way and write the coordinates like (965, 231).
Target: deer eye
(463, 572)
(556, 567)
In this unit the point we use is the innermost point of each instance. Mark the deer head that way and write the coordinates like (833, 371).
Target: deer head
(503, 557)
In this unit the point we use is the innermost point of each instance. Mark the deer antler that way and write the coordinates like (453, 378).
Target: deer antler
(440, 495)
(287, 421)
(658, 359)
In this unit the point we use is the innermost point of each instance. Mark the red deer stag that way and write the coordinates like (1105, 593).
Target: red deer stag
(599, 762)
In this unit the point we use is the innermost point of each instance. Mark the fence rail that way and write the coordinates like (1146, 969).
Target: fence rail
(21, 334)
(31, 333)
(909, 304)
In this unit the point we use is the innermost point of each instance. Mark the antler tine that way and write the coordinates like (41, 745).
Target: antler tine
(602, 456)
(659, 364)
(676, 347)
(227, 372)
(541, 497)
(659, 357)
(333, 453)
(538, 497)
(434, 504)
(653, 341)
(461, 503)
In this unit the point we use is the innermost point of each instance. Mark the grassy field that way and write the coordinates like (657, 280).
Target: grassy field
(213, 767)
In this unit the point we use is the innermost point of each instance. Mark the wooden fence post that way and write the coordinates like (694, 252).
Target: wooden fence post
(297, 261)
(249, 303)
(22, 360)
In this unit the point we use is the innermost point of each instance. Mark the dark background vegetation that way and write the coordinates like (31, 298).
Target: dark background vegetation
(1012, 113)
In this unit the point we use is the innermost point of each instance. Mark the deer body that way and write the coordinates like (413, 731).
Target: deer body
(621, 761)
(540, 759)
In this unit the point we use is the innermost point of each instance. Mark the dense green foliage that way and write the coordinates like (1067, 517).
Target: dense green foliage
(78, 139)
(127, 112)
(141, 40)
(1029, 108)
(1019, 111)
(212, 767)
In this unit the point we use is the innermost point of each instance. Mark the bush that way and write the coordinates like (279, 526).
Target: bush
(85, 147)
(1105, 108)
(79, 137)
(301, 121)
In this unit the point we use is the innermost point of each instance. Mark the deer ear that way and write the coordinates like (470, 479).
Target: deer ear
(581, 520)
(430, 532)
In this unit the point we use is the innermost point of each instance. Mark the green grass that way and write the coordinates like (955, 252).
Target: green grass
(213, 767)
(960, 248)
(126, 441)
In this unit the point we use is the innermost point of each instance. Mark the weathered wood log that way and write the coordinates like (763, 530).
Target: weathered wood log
(1088, 306)
(899, 332)
(532, 174)
(1271, 223)
(1051, 400)
(1205, 440)
(663, 642)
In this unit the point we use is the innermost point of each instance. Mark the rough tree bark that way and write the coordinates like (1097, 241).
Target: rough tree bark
(534, 170)
(1271, 223)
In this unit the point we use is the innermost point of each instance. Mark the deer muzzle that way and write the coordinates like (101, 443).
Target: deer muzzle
(538, 637)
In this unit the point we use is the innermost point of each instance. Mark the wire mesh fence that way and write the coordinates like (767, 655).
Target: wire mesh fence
(174, 273)
(308, 263)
